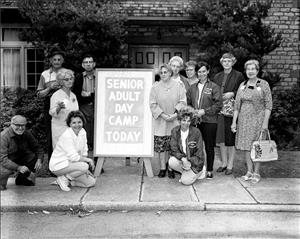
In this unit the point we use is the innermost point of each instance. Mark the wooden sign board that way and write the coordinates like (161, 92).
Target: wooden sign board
(123, 120)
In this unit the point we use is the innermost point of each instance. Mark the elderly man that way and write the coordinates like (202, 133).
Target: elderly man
(47, 86)
(19, 152)
(84, 89)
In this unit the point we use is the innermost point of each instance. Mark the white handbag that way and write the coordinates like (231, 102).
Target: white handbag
(264, 150)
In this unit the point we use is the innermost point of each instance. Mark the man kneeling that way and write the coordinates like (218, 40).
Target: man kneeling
(187, 156)
(20, 152)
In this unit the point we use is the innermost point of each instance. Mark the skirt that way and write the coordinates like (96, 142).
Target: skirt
(162, 143)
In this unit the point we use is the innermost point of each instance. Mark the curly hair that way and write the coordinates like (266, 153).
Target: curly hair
(63, 74)
(252, 62)
(186, 111)
(75, 114)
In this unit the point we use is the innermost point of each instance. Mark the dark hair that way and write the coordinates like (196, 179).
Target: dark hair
(75, 114)
(186, 111)
(203, 63)
(88, 56)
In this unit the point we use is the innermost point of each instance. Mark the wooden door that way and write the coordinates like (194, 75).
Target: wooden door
(153, 56)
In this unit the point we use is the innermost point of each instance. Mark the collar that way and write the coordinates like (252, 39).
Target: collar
(86, 74)
(12, 133)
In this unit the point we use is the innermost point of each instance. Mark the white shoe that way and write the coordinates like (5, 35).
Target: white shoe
(63, 183)
(248, 176)
(202, 173)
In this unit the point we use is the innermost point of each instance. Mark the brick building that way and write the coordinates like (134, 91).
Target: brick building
(157, 30)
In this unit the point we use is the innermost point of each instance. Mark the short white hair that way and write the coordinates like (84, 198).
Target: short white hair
(176, 58)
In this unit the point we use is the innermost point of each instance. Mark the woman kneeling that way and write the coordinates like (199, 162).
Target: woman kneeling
(69, 159)
(187, 156)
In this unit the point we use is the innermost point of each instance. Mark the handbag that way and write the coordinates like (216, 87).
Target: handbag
(228, 107)
(264, 150)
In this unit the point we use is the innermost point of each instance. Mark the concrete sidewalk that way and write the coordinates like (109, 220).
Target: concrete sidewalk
(128, 188)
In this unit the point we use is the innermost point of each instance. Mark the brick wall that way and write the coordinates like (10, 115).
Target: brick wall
(283, 17)
(285, 60)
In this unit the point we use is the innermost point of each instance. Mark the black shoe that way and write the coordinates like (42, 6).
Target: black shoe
(2, 187)
(162, 173)
(22, 179)
(209, 175)
(228, 171)
(171, 174)
(221, 169)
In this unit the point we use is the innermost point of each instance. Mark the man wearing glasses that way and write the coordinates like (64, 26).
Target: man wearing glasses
(84, 89)
(19, 152)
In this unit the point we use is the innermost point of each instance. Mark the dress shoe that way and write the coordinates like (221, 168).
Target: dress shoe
(209, 175)
(162, 173)
(171, 174)
(228, 171)
(221, 169)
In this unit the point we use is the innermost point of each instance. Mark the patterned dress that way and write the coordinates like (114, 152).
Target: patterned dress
(251, 103)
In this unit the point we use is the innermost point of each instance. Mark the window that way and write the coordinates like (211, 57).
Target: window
(34, 67)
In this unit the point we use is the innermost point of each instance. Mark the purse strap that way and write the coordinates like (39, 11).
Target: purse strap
(261, 134)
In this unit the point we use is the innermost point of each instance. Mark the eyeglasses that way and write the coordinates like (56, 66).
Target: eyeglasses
(20, 125)
(86, 62)
(68, 79)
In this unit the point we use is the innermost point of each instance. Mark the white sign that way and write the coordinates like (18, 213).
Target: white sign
(123, 123)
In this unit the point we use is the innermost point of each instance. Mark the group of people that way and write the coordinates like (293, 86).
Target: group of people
(193, 114)
(188, 121)
(69, 119)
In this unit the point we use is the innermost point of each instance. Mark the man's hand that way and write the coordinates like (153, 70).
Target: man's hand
(38, 165)
(228, 95)
(23, 169)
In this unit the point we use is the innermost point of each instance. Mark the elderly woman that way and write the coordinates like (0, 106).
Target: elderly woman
(252, 110)
(205, 98)
(69, 159)
(62, 102)
(167, 96)
(191, 69)
(187, 156)
(176, 64)
(229, 81)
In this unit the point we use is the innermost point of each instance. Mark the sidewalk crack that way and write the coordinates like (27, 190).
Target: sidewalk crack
(194, 195)
(142, 183)
(248, 191)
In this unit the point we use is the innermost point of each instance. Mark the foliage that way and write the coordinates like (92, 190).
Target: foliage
(271, 77)
(233, 26)
(23, 102)
(93, 27)
(285, 118)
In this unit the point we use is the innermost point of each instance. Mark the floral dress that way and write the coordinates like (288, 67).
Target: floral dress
(251, 102)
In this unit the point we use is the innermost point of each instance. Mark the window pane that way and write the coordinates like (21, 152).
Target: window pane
(11, 68)
(30, 67)
(31, 80)
(30, 54)
(10, 34)
(40, 66)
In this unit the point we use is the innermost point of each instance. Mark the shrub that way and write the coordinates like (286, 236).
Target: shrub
(233, 26)
(285, 118)
(24, 102)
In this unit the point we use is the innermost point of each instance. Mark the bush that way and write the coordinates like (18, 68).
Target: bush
(285, 119)
(24, 102)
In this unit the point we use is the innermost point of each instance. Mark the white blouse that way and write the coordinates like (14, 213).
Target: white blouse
(69, 148)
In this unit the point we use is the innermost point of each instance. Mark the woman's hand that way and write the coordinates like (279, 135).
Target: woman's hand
(186, 165)
(54, 86)
(60, 105)
(200, 112)
(228, 95)
(233, 127)
(172, 117)
(165, 116)
(89, 161)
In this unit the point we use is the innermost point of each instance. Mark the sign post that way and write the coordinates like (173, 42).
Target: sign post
(123, 123)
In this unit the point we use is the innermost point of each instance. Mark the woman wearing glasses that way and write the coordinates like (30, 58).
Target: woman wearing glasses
(62, 102)
(167, 97)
